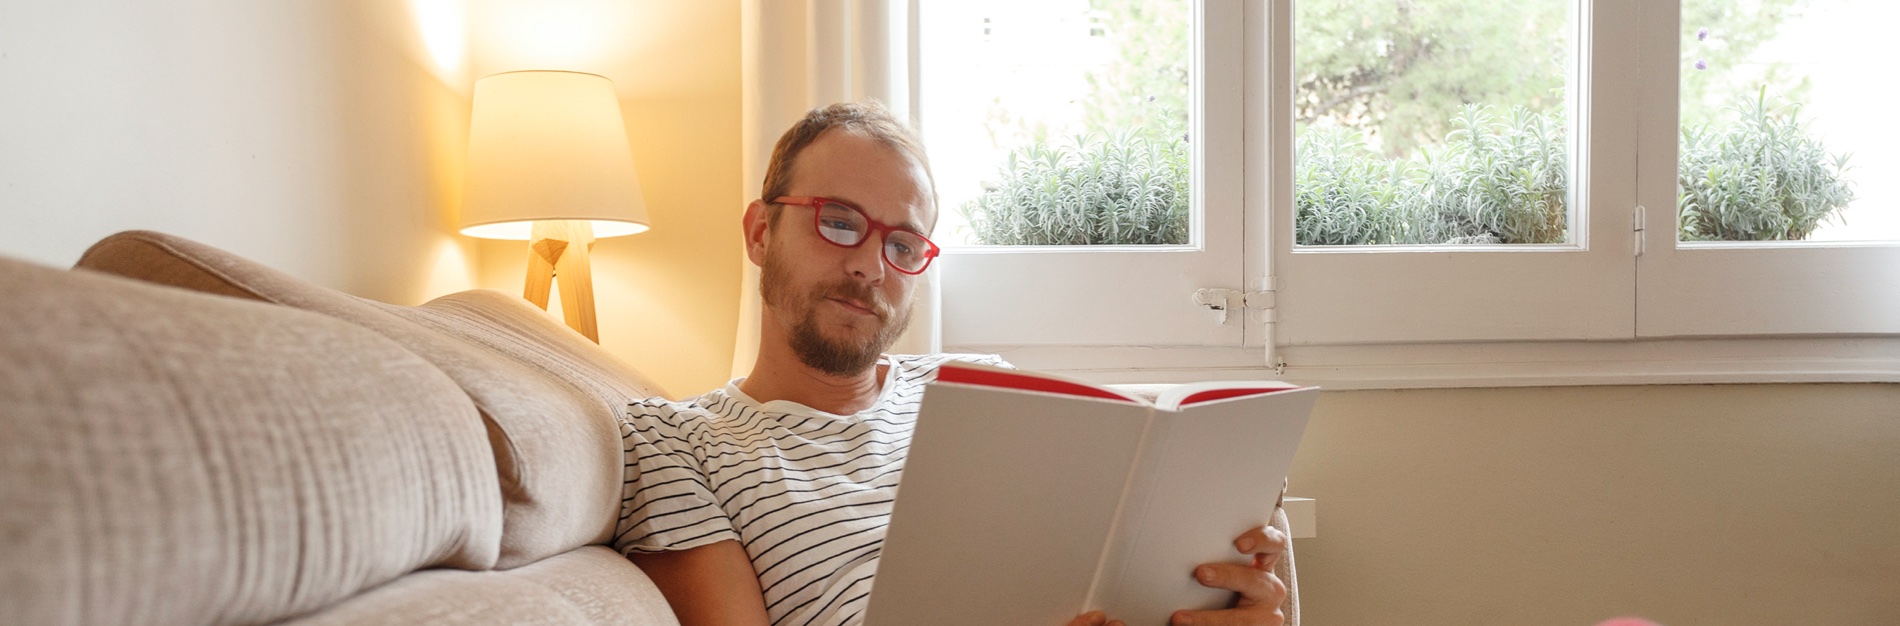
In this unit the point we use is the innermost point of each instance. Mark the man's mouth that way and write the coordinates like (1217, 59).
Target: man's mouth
(856, 306)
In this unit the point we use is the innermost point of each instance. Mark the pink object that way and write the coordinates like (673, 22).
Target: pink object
(1628, 621)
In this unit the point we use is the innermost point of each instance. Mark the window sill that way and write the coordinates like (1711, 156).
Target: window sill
(1488, 364)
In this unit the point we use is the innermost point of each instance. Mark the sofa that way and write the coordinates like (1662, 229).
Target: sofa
(189, 437)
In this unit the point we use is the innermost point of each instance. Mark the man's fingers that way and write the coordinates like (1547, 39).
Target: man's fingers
(1264, 543)
(1254, 586)
(1095, 618)
(1254, 616)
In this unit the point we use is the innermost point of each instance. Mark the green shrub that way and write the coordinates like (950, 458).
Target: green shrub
(1126, 189)
(1492, 182)
(1762, 178)
(1345, 195)
(1502, 182)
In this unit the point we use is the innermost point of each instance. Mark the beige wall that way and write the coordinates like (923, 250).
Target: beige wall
(307, 135)
(1721, 505)
(326, 138)
(667, 299)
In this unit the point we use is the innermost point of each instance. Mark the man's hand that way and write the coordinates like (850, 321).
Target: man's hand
(1259, 592)
(1094, 618)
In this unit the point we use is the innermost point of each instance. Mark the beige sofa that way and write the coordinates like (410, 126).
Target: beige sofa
(252, 448)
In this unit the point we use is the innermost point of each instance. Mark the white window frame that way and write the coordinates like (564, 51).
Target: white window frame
(1001, 299)
(1622, 304)
(1740, 289)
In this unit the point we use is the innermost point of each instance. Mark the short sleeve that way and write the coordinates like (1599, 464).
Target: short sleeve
(666, 503)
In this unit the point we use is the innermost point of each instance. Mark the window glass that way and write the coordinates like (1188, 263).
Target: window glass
(1058, 122)
(1787, 124)
(1432, 121)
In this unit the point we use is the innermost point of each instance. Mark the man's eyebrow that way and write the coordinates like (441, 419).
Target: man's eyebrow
(906, 224)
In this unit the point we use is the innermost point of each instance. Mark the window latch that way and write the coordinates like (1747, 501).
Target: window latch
(1221, 301)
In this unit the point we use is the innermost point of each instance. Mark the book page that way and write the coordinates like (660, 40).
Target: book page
(1004, 507)
(1190, 394)
(977, 374)
(1216, 475)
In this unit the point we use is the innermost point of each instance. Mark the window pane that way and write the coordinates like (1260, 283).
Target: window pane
(1787, 128)
(1432, 121)
(1058, 122)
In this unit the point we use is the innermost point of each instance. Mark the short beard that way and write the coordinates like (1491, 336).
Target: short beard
(837, 357)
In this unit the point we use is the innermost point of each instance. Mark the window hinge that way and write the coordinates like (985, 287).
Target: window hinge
(1220, 301)
(1642, 218)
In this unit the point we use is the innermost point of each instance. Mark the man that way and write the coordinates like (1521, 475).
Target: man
(765, 502)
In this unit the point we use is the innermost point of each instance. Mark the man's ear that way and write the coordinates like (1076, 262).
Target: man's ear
(756, 225)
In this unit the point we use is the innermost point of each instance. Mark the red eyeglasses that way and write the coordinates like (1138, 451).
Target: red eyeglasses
(846, 226)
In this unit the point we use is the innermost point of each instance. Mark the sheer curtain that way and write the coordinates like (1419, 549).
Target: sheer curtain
(801, 54)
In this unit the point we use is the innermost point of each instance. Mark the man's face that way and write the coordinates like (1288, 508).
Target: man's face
(842, 307)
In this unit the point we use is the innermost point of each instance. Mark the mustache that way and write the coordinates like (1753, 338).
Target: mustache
(861, 293)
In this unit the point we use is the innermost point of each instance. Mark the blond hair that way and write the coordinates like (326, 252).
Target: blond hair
(870, 119)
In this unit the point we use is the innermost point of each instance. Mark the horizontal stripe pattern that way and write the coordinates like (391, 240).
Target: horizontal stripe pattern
(807, 493)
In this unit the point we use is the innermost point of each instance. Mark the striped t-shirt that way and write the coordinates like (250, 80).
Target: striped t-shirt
(808, 493)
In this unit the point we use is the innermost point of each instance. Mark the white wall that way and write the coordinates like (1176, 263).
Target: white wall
(308, 135)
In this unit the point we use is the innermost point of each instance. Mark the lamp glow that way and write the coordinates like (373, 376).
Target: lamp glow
(549, 145)
(548, 162)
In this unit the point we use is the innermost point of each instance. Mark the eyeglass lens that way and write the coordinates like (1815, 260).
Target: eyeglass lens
(845, 226)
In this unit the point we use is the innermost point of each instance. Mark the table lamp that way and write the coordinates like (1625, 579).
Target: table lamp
(548, 162)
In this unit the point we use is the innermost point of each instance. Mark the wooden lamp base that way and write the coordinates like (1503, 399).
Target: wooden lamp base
(560, 248)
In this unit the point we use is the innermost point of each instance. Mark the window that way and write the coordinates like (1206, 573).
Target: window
(1518, 224)
(1783, 137)
(1387, 184)
(1054, 123)
(1088, 161)
(1788, 77)
(1432, 122)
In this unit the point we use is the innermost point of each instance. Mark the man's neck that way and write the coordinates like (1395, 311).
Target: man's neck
(772, 379)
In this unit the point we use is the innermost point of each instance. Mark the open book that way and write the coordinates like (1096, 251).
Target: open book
(1028, 498)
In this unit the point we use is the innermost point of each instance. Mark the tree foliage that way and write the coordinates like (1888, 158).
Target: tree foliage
(1719, 35)
(1146, 88)
(1400, 70)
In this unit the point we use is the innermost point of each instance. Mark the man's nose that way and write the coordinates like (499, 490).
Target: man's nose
(867, 260)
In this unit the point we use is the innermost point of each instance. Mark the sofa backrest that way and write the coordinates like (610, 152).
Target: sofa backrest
(549, 397)
(170, 457)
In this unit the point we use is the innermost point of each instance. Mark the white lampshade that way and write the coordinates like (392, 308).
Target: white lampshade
(549, 145)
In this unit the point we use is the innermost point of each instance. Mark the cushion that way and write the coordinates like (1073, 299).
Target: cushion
(591, 585)
(170, 457)
(549, 396)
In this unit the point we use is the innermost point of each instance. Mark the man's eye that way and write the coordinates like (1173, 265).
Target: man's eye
(901, 248)
(838, 224)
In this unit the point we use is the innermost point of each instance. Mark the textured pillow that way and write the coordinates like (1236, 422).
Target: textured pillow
(549, 396)
(169, 457)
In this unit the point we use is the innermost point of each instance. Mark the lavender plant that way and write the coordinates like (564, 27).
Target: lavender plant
(1492, 182)
(1499, 182)
(1347, 196)
(1128, 188)
(1762, 178)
